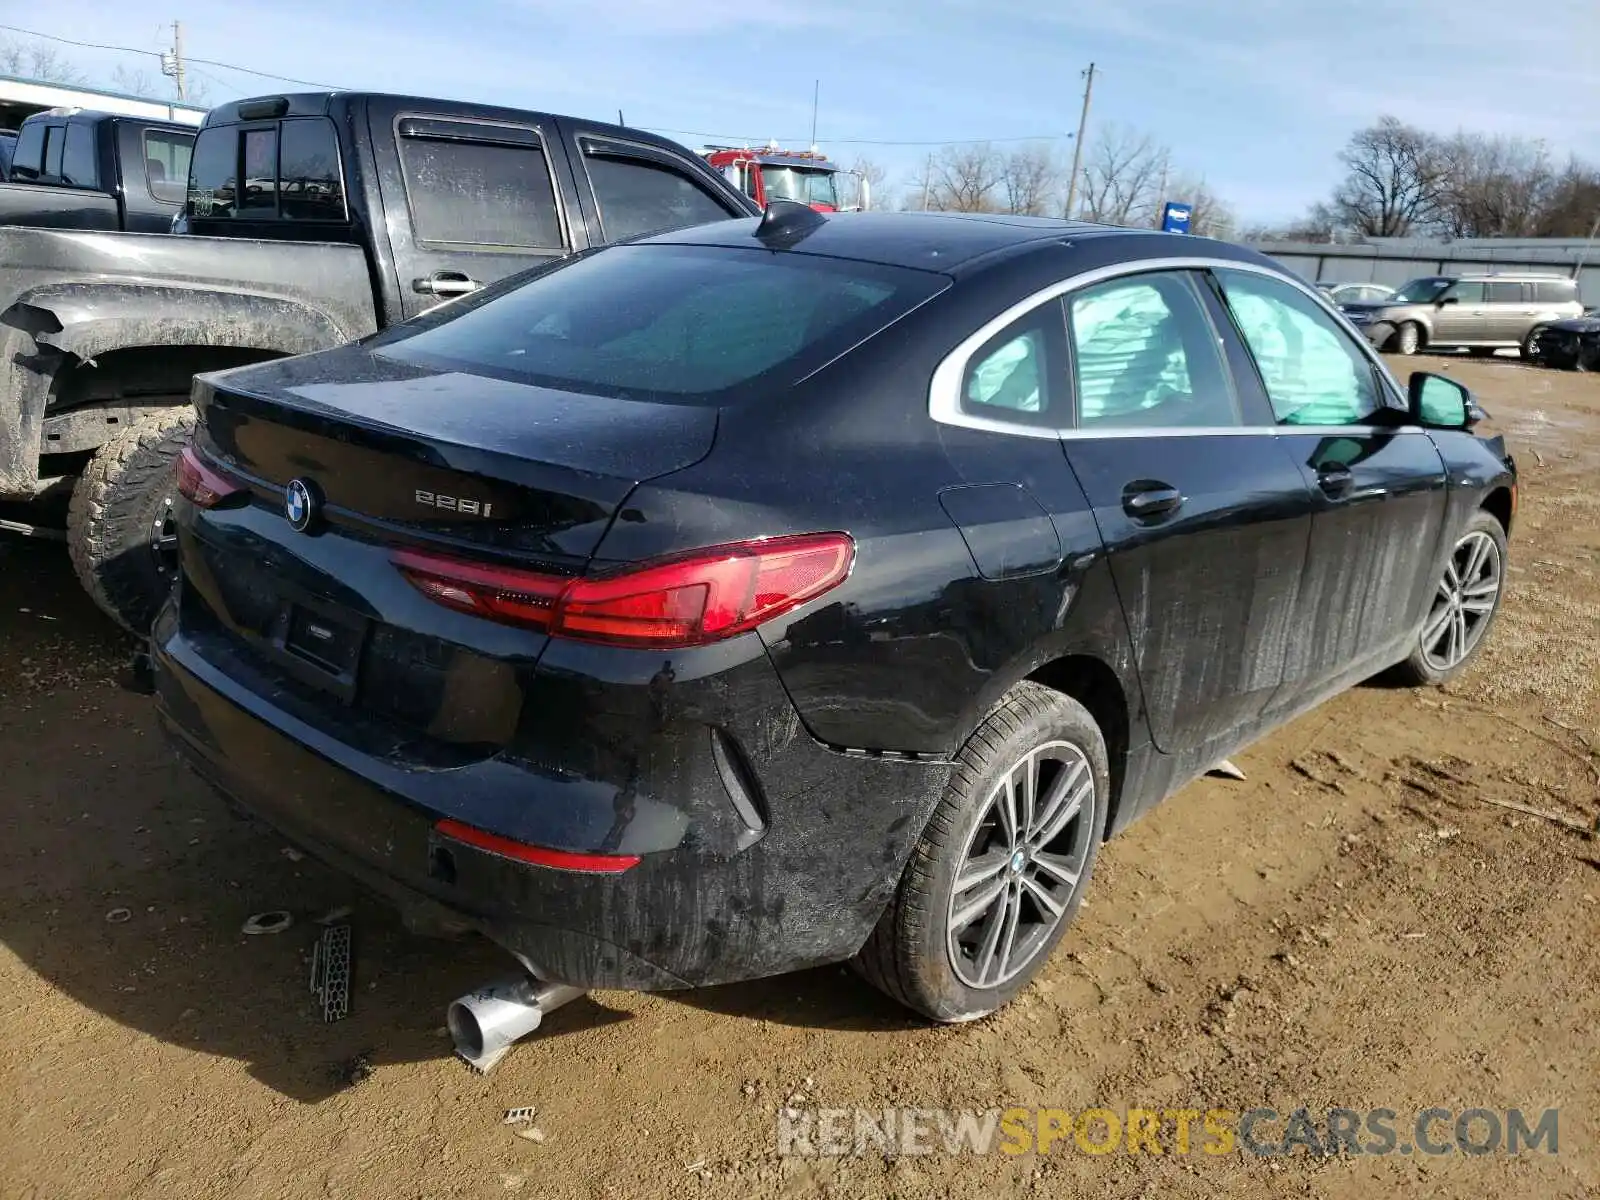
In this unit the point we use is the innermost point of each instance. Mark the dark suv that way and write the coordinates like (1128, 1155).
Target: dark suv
(782, 592)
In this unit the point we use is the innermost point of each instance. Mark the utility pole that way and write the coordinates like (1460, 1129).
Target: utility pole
(927, 182)
(1583, 255)
(1077, 146)
(172, 61)
(816, 94)
(1161, 196)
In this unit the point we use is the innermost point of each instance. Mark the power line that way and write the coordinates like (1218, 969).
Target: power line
(210, 62)
(753, 141)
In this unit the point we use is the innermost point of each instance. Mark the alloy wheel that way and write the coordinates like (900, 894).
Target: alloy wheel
(1021, 865)
(1464, 601)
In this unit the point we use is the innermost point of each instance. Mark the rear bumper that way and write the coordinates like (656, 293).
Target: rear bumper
(805, 889)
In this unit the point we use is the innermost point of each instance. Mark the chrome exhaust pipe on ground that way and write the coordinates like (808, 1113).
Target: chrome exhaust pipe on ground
(486, 1022)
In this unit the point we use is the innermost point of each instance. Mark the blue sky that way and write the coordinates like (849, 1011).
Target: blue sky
(1256, 95)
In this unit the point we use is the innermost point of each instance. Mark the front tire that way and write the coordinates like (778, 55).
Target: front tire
(1464, 605)
(119, 529)
(1407, 338)
(1003, 864)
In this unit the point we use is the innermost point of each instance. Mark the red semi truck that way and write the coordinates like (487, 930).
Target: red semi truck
(807, 176)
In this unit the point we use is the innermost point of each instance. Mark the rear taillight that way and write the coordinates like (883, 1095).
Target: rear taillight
(687, 600)
(201, 483)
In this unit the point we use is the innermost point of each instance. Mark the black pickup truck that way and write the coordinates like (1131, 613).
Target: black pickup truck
(312, 220)
(75, 169)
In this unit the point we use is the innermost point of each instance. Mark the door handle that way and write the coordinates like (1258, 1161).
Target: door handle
(445, 283)
(1146, 498)
(1335, 482)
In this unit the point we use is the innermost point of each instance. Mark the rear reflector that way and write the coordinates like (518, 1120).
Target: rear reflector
(201, 483)
(688, 600)
(539, 856)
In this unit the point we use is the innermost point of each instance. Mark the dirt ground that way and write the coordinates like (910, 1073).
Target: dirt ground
(1352, 925)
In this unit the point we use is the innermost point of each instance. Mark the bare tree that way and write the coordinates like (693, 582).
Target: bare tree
(135, 82)
(1122, 177)
(1493, 186)
(874, 175)
(964, 178)
(1209, 216)
(1031, 178)
(37, 62)
(1396, 180)
(1573, 203)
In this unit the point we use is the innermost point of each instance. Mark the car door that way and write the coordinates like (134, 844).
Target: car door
(628, 188)
(486, 198)
(1202, 514)
(1378, 486)
(1458, 314)
(1508, 311)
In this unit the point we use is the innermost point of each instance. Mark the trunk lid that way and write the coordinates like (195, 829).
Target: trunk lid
(444, 456)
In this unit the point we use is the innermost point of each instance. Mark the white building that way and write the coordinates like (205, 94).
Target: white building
(21, 98)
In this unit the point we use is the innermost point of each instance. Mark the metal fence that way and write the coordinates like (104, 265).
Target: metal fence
(1395, 262)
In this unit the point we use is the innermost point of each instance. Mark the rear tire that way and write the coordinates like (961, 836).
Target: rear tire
(992, 886)
(119, 522)
(1464, 605)
(1407, 338)
(1529, 349)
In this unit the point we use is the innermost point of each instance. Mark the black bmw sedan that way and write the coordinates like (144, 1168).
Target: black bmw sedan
(821, 588)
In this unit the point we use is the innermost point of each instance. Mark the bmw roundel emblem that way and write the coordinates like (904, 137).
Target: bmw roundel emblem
(299, 505)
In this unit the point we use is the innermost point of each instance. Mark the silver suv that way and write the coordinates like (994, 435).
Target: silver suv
(1480, 313)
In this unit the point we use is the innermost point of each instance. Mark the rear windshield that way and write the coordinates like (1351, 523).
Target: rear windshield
(687, 324)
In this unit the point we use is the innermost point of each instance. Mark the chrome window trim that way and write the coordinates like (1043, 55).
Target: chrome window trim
(944, 392)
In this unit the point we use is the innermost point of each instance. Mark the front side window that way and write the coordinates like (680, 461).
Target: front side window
(1313, 372)
(1465, 293)
(1421, 291)
(684, 324)
(78, 165)
(1144, 354)
(166, 164)
(1012, 377)
(481, 193)
(644, 197)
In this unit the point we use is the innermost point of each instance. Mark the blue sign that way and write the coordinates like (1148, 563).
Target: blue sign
(1175, 217)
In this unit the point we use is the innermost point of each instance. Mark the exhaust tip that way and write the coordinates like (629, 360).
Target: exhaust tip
(486, 1023)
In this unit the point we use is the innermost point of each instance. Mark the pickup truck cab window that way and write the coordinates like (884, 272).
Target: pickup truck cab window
(214, 172)
(166, 164)
(479, 184)
(258, 193)
(79, 165)
(29, 154)
(642, 192)
(310, 183)
(53, 139)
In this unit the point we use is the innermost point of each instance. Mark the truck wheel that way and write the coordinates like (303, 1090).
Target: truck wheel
(1003, 864)
(119, 525)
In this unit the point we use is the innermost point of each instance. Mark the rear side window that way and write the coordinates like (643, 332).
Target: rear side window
(213, 173)
(166, 164)
(480, 192)
(1015, 375)
(1312, 370)
(689, 324)
(1555, 291)
(643, 197)
(1144, 354)
(1505, 293)
(311, 186)
(78, 159)
(29, 153)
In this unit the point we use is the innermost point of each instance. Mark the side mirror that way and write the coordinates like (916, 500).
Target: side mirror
(1439, 403)
(1443, 300)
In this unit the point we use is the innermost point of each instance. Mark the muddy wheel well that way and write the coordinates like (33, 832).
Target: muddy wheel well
(1094, 685)
(149, 377)
(1498, 505)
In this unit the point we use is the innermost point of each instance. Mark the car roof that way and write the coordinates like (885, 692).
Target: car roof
(949, 243)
